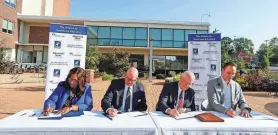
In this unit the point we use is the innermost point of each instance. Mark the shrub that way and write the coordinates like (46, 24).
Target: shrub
(92, 57)
(160, 76)
(172, 73)
(106, 76)
(177, 77)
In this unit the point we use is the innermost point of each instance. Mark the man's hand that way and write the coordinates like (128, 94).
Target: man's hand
(64, 110)
(245, 113)
(230, 113)
(112, 112)
(173, 113)
(47, 110)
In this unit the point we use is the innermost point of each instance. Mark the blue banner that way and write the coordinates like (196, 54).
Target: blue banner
(204, 37)
(68, 29)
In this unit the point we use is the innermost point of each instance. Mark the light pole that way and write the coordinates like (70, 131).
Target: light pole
(151, 61)
(266, 48)
(203, 16)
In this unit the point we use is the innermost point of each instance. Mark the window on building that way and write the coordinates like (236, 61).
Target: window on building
(129, 33)
(189, 32)
(116, 32)
(104, 32)
(141, 33)
(7, 26)
(202, 31)
(141, 43)
(179, 35)
(155, 34)
(11, 3)
(167, 34)
(92, 32)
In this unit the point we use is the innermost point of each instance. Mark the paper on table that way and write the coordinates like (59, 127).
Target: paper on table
(187, 115)
(255, 117)
(50, 116)
(136, 114)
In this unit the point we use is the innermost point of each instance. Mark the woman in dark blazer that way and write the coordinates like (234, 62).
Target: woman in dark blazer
(74, 94)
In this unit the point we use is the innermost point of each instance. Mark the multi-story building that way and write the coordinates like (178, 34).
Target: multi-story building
(169, 39)
(9, 24)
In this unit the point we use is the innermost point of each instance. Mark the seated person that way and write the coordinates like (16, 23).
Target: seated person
(124, 95)
(70, 95)
(224, 94)
(178, 97)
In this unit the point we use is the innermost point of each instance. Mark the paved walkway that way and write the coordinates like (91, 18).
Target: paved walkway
(28, 95)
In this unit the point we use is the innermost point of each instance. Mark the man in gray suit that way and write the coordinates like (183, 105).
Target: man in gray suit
(224, 94)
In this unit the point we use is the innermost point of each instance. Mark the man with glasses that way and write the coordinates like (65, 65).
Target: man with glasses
(124, 95)
(178, 97)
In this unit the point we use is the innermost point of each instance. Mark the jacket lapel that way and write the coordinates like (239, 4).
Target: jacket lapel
(232, 91)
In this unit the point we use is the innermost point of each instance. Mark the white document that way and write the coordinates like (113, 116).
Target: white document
(50, 116)
(136, 114)
(188, 115)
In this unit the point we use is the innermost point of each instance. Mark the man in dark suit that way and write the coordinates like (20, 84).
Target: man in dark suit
(124, 95)
(178, 97)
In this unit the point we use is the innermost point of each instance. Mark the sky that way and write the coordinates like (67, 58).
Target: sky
(253, 19)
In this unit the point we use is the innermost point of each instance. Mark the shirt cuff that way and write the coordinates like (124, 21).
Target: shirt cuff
(107, 110)
(167, 110)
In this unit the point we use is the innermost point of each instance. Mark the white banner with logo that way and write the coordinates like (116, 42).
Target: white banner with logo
(66, 50)
(204, 60)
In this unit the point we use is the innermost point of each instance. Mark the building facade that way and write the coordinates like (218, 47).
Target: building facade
(10, 24)
(168, 39)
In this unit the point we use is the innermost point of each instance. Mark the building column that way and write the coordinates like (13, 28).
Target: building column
(146, 59)
(21, 32)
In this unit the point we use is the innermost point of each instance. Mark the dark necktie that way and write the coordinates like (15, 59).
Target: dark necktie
(127, 101)
(180, 104)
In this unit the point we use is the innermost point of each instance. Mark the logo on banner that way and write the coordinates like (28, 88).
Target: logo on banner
(196, 67)
(197, 60)
(76, 63)
(72, 54)
(57, 44)
(58, 54)
(211, 59)
(210, 52)
(212, 67)
(74, 46)
(212, 76)
(59, 63)
(54, 82)
(197, 75)
(77, 37)
(195, 51)
(57, 35)
(212, 45)
(194, 43)
(56, 72)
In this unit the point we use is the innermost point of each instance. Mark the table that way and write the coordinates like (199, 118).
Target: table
(91, 123)
(170, 126)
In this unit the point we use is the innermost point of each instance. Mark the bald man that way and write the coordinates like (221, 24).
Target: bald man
(124, 95)
(178, 97)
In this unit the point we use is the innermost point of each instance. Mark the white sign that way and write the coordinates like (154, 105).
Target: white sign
(66, 50)
(204, 60)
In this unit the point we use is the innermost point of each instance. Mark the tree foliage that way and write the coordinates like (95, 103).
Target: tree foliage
(243, 44)
(265, 62)
(92, 57)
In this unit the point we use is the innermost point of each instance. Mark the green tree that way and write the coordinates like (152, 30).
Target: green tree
(265, 63)
(273, 44)
(265, 51)
(115, 63)
(243, 44)
(226, 45)
(3, 43)
(92, 57)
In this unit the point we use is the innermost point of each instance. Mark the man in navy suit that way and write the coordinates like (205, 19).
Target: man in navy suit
(178, 97)
(124, 95)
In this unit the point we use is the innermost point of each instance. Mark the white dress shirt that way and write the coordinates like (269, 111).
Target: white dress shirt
(227, 89)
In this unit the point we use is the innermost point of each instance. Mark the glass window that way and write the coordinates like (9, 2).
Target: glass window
(92, 32)
(103, 41)
(141, 33)
(179, 44)
(104, 32)
(92, 41)
(129, 33)
(10, 27)
(167, 34)
(155, 34)
(5, 26)
(12, 3)
(116, 32)
(167, 44)
(128, 42)
(159, 62)
(116, 42)
(141, 43)
(176, 63)
(189, 32)
(178, 35)
(156, 43)
(202, 31)
(186, 44)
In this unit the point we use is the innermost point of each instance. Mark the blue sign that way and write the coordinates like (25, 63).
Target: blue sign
(68, 29)
(56, 72)
(204, 37)
(76, 63)
(57, 44)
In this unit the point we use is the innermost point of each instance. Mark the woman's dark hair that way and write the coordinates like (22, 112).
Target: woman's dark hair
(81, 75)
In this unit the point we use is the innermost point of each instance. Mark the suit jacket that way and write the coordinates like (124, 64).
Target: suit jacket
(216, 96)
(115, 93)
(58, 98)
(169, 97)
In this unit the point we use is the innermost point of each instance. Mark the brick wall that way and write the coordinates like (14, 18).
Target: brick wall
(39, 35)
(9, 13)
(61, 7)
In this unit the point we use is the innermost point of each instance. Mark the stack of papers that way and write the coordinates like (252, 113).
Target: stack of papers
(50, 116)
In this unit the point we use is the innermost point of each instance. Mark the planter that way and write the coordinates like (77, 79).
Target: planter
(89, 75)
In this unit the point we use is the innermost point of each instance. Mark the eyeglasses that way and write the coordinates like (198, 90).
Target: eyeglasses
(131, 79)
(73, 80)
